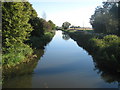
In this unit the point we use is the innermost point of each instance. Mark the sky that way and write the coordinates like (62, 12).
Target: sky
(77, 12)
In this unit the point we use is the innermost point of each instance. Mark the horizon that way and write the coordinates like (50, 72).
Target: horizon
(77, 13)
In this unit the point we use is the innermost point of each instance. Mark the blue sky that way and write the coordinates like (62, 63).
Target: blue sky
(77, 12)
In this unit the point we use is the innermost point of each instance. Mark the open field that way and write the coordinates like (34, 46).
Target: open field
(80, 29)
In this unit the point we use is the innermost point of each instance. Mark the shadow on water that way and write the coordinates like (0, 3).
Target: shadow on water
(21, 73)
(58, 69)
(109, 70)
(109, 74)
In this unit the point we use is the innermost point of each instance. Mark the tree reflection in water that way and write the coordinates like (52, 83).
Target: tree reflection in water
(21, 73)
(65, 36)
(108, 72)
(107, 67)
(119, 85)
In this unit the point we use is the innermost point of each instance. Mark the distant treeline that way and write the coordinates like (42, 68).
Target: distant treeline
(22, 32)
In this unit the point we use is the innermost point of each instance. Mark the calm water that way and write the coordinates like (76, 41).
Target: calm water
(63, 65)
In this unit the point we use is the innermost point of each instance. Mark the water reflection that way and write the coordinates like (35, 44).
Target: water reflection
(66, 65)
(109, 70)
(21, 75)
(65, 36)
(108, 73)
(63, 65)
(23, 81)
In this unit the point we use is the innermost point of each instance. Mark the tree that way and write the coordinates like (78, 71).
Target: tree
(40, 26)
(65, 36)
(15, 31)
(37, 25)
(119, 18)
(66, 25)
(15, 26)
(105, 18)
(51, 24)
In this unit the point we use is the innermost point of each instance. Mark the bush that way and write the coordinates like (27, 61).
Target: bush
(111, 40)
(40, 42)
(110, 45)
(99, 43)
(16, 54)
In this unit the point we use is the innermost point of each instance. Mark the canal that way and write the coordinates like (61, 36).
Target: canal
(64, 64)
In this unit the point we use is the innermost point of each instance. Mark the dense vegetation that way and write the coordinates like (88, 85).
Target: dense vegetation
(22, 30)
(106, 18)
(15, 30)
(104, 49)
(42, 32)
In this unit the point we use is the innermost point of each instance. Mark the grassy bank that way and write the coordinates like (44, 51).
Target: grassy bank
(21, 53)
(21, 63)
(25, 67)
(105, 49)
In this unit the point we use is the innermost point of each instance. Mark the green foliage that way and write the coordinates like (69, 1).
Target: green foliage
(15, 26)
(15, 31)
(111, 40)
(51, 24)
(21, 28)
(105, 19)
(66, 25)
(49, 34)
(40, 42)
(109, 46)
(105, 50)
(98, 43)
(16, 54)
(40, 26)
(41, 33)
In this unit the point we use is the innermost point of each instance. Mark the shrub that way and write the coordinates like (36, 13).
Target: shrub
(16, 54)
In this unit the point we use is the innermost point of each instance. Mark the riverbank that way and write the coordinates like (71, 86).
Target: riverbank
(20, 39)
(65, 63)
(23, 68)
(105, 49)
(16, 69)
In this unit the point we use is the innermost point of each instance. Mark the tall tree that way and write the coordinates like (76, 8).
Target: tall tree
(105, 18)
(15, 26)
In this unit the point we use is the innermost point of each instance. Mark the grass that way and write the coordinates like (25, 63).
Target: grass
(74, 30)
(16, 54)
(80, 29)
